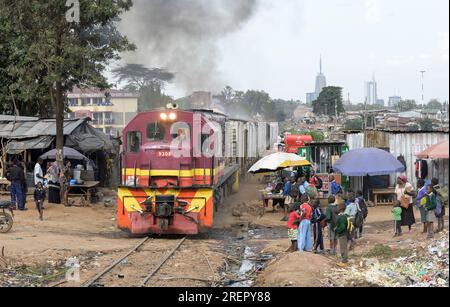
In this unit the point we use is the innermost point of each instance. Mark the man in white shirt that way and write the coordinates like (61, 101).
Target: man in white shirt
(38, 174)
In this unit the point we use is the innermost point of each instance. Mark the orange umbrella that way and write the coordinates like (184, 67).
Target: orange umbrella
(438, 151)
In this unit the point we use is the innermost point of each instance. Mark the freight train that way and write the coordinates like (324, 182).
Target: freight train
(178, 167)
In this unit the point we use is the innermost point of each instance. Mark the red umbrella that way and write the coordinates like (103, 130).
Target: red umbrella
(438, 151)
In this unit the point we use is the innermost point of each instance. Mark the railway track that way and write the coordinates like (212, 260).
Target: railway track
(92, 282)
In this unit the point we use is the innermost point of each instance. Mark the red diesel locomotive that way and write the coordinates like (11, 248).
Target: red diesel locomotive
(174, 174)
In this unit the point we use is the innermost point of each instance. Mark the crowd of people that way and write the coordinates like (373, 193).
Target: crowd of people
(347, 211)
(55, 183)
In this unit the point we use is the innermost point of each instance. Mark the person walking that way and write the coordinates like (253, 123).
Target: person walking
(292, 225)
(38, 173)
(397, 218)
(421, 201)
(442, 202)
(352, 210)
(342, 233)
(39, 198)
(17, 178)
(404, 192)
(316, 221)
(288, 199)
(332, 214)
(431, 205)
(362, 204)
(304, 234)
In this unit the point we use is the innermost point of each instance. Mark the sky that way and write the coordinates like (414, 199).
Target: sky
(278, 48)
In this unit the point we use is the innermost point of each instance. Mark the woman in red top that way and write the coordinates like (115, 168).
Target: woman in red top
(292, 225)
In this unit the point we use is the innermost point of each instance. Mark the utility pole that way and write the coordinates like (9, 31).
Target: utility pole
(423, 86)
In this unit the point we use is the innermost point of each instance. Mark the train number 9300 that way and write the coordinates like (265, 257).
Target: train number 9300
(164, 154)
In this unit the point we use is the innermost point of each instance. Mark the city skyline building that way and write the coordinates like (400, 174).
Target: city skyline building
(371, 91)
(321, 82)
(393, 100)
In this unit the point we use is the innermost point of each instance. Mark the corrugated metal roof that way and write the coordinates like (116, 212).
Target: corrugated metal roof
(31, 129)
(17, 146)
(16, 118)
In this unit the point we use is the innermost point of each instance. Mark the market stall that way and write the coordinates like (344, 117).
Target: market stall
(368, 162)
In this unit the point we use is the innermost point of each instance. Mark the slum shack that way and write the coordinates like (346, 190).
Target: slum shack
(405, 146)
(27, 138)
(323, 155)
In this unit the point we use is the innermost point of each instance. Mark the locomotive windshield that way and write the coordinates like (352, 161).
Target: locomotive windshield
(156, 132)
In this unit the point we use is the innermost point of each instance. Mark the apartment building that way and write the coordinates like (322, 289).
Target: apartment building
(110, 111)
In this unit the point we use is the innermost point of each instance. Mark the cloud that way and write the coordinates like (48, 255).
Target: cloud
(443, 45)
(373, 11)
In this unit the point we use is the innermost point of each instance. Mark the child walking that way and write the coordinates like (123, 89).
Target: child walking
(304, 234)
(292, 224)
(431, 205)
(342, 233)
(39, 198)
(397, 218)
(317, 220)
(332, 214)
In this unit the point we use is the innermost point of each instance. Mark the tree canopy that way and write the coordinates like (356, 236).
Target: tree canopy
(137, 76)
(434, 104)
(253, 102)
(329, 102)
(406, 105)
(149, 82)
(45, 55)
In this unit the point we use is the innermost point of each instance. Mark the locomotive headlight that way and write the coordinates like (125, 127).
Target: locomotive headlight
(163, 116)
(172, 116)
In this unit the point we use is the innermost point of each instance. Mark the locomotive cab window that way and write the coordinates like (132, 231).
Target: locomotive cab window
(180, 132)
(134, 139)
(156, 132)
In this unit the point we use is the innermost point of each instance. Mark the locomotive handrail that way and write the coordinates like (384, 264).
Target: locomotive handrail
(211, 177)
(121, 166)
(135, 173)
(204, 171)
(149, 173)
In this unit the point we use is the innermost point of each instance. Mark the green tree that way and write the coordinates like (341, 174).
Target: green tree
(426, 124)
(329, 102)
(354, 124)
(48, 51)
(434, 104)
(149, 82)
(406, 105)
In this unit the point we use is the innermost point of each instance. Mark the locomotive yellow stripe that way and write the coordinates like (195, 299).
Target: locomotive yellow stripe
(172, 173)
(131, 201)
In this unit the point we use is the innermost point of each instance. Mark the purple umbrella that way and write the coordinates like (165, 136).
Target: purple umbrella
(68, 153)
(368, 162)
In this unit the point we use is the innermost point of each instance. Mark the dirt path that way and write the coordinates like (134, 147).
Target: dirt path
(35, 252)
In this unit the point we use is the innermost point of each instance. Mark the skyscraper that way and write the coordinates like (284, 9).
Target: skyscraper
(321, 80)
(371, 91)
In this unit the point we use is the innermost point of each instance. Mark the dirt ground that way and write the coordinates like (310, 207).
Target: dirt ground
(35, 252)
